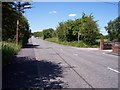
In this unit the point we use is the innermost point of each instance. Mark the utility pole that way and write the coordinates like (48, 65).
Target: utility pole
(17, 29)
(20, 9)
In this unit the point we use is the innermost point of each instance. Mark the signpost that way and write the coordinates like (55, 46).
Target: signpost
(79, 36)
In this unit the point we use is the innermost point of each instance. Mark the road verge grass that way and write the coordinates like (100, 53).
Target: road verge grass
(8, 51)
(81, 44)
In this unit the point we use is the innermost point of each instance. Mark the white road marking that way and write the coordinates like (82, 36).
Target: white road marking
(75, 54)
(61, 49)
(103, 53)
(113, 70)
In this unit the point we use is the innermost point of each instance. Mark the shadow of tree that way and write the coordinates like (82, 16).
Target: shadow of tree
(24, 72)
(30, 46)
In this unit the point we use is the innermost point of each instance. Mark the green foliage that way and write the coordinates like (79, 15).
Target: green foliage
(73, 43)
(106, 36)
(90, 30)
(113, 29)
(47, 33)
(24, 33)
(100, 35)
(54, 34)
(54, 39)
(62, 32)
(8, 51)
(38, 34)
(68, 31)
(9, 23)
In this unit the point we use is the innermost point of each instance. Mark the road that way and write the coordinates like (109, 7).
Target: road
(49, 65)
(82, 68)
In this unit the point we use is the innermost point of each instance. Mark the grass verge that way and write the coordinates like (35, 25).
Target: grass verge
(73, 43)
(8, 51)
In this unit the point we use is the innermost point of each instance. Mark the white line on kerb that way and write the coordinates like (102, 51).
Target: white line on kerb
(113, 70)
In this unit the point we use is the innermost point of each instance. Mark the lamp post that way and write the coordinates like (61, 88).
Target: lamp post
(20, 9)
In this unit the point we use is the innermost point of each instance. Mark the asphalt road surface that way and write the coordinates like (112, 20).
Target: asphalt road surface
(82, 68)
(59, 66)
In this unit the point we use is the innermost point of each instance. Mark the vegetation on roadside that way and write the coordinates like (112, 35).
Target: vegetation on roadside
(86, 26)
(9, 24)
(113, 29)
(73, 43)
(8, 51)
(38, 34)
(47, 33)
(67, 32)
(89, 34)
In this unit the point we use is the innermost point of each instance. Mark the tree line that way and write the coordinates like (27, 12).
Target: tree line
(9, 24)
(113, 29)
(86, 27)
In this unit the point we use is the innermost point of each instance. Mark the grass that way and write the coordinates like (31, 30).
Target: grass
(73, 43)
(8, 51)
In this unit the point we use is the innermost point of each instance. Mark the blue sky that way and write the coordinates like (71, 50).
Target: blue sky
(45, 15)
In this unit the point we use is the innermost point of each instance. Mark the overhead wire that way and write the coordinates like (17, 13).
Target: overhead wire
(116, 3)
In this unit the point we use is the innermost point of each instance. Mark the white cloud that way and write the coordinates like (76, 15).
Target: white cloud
(72, 15)
(53, 12)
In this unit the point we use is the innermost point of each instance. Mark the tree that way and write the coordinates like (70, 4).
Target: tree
(113, 29)
(47, 33)
(38, 34)
(9, 14)
(62, 32)
(24, 33)
(68, 31)
(90, 30)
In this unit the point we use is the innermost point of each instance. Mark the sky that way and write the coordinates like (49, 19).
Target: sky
(46, 15)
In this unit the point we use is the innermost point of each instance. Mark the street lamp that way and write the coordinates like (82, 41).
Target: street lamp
(20, 9)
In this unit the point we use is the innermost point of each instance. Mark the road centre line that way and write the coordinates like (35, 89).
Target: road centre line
(113, 70)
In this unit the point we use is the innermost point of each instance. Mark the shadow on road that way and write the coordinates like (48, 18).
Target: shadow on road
(24, 72)
(30, 46)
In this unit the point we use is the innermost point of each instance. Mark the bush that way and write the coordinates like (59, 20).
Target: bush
(113, 29)
(47, 33)
(73, 43)
(86, 26)
(8, 51)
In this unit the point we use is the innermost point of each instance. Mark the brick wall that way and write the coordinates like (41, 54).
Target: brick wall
(105, 45)
(116, 47)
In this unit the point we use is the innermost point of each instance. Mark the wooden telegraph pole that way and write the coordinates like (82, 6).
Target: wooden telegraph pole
(17, 29)
(20, 9)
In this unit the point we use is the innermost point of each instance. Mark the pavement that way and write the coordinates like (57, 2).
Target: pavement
(44, 64)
